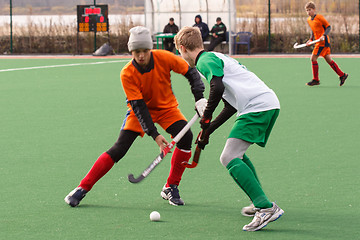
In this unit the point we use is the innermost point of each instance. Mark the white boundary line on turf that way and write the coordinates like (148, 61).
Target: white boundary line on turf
(61, 65)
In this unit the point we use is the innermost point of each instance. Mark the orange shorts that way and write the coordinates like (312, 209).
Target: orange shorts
(165, 118)
(321, 51)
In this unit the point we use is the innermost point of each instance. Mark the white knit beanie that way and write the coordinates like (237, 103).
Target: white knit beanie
(140, 38)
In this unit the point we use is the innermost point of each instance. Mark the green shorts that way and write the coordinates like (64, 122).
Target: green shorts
(255, 127)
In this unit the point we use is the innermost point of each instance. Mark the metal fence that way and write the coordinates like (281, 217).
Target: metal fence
(288, 16)
(272, 23)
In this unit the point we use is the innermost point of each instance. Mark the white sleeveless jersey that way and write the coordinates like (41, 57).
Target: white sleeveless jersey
(243, 89)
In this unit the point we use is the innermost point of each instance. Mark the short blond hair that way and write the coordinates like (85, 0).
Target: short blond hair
(189, 37)
(310, 5)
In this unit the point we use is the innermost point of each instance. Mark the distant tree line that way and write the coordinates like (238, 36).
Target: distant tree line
(244, 7)
(48, 3)
(260, 7)
(26, 7)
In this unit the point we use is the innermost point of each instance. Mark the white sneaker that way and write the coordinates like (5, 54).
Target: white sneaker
(172, 194)
(248, 211)
(75, 196)
(263, 217)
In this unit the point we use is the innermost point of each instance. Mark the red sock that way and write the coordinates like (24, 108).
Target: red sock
(315, 69)
(102, 165)
(336, 68)
(177, 169)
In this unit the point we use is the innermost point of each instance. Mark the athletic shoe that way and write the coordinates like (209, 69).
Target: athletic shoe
(263, 217)
(172, 194)
(313, 83)
(75, 196)
(343, 78)
(248, 211)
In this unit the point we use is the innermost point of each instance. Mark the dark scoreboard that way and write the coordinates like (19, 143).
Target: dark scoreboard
(92, 18)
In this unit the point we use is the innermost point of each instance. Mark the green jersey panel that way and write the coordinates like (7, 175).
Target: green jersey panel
(245, 91)
(210, 65)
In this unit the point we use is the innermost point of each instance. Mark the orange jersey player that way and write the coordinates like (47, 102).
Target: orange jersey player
(153, 85)
(320, 30)
(147, 85)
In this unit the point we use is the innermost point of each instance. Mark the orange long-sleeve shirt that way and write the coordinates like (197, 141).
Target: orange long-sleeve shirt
(318, 24)
(154, 86)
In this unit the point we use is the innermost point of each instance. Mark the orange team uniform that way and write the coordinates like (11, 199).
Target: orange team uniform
(154, 87)
(318, 25)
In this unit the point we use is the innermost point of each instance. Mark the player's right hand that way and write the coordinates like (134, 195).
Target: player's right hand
(161, 142)
(202, 139)
(205, 123)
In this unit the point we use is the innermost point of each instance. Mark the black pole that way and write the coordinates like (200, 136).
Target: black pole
(95, 32)
(359, 25)
(269, 40)
(11, 30)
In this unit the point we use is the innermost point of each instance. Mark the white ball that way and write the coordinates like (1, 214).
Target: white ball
(155, 216)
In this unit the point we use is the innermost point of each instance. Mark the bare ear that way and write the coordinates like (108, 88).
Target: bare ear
(182, 48)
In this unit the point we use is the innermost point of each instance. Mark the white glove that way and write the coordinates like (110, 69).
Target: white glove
(200, 106)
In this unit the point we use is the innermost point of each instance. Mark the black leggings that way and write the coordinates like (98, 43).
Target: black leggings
(127, 137)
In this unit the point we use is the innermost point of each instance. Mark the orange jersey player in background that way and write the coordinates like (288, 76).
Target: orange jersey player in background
(320, 30)
(147, 85)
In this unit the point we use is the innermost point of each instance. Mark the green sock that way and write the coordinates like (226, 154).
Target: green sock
(245, 178)
(247, 161)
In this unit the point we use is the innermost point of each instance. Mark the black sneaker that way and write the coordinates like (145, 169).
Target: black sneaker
(172, 194)
(75, 196)
(313, 83)
(343, 78)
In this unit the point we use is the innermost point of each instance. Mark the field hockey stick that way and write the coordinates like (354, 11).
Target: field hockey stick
(296, 45)
(197, 153)
(195, 160)
(166, 150)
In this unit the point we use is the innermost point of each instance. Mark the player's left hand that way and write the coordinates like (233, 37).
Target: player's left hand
(200, 106)
(322, 38)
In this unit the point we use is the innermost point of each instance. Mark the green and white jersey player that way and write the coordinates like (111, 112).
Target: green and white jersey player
(257, 108)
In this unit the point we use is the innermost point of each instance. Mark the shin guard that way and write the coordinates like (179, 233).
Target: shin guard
(336, 68)
(315, 70)
(246, 180)
(177, 169)
(102, 165)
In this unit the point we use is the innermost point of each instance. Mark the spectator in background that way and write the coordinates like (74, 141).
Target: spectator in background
(170, 28)
(204, 29)
(218, 34)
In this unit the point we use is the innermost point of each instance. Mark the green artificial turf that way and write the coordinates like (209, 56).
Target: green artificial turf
(55, 122)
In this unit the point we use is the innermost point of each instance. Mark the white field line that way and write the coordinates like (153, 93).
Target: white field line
(61, 65)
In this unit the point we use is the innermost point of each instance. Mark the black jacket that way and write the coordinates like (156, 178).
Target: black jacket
(219, 29)
(171, 28)
(204, 29)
